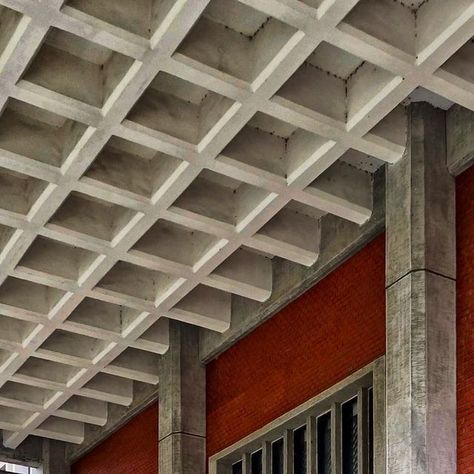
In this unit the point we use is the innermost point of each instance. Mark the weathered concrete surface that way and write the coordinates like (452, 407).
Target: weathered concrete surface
(340, 240)
(421, 326)
(143, 396)
(421, 375)
(30, 452)
(182, 399)
(459, 138)
(420, 214)
(54, 457)
(182, 454)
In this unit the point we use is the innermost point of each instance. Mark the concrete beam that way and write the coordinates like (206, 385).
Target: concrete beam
(340, 239)
(421, 323)
(459, 138)
(182, 398)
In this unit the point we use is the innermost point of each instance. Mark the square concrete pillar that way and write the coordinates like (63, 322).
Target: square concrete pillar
(420, 291)
(182, 402)
(54, 459)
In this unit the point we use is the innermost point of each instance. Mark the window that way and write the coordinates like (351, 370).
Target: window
(237, 468)
(370, 431)
(277, 456)
(350, 422)
(333, 432)
(256, 462)
(17, 469)
(324, 444)
(299, 450)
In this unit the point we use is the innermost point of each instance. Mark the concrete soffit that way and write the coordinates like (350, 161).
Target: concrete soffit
(203, 161)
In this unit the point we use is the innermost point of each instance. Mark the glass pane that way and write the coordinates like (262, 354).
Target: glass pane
(277, 457)
(237, 468)
(324, 444)
(256, 462)
(16, 468)
(299, 450)
(370, 421)
(349, 437)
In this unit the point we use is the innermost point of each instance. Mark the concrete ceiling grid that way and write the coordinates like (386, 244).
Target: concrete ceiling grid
(155, 155)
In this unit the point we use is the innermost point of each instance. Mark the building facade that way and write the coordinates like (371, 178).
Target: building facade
(331, 332)
(236, 236)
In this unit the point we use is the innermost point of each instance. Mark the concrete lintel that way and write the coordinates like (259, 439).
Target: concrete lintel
(460, 138)
(340, 239)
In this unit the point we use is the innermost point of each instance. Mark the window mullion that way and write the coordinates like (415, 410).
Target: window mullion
(288, 452)
(362, 431)
(336, 439)
(246, 464)
(311, 445)
(267, 457)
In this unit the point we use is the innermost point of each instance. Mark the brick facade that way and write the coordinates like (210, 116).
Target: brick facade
(465, 320)
(133, 449)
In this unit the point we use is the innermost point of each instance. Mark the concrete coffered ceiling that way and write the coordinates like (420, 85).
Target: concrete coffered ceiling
(156, 154)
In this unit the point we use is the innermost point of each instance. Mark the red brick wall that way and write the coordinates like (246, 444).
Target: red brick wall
(332, 330)
(465, 320)
(132, 449)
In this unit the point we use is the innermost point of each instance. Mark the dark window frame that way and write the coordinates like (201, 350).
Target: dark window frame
(366, 384)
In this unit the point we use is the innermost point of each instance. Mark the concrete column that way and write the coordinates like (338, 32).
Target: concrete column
(421, 326)
(459, 138)
(54, 457)
(182, 399)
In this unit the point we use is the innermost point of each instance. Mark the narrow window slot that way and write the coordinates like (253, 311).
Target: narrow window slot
(299, 451)
(277, 456)
(324, 444)
(256, 462)
(349, 437)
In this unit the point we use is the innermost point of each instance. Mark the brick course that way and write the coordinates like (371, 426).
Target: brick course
(133, 449)
(332, 330)
(465, 320)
